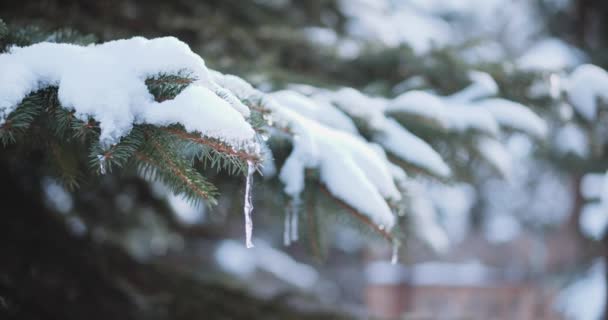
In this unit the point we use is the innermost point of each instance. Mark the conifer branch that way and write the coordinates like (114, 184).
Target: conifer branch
(215, 145)
(385, 234)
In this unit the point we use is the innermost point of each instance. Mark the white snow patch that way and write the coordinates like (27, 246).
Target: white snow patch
(399, 141)
(514, 115)
(482, 85)
(550, 54)
(585, 86)
(585, 298)
(317, 109)
(501, 228)
(236, 259)
(106, 82)
(185, 210)
(571, 139)
(496, 154)
(594, 220)
(349, 167)
(421, 104)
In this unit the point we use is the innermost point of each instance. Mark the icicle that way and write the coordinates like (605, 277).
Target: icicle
(248, 205)
(287, 228)
(295, 213)
(395, 255)
(102, 163)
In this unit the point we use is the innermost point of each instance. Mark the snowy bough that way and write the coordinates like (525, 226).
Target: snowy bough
(154, 107)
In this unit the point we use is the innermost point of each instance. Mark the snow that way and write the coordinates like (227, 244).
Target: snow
(496, 154)
(56, 196)
(465, 118)
(185, 210)
(235, 259)
(388, 132)
(424, 218)
(317, 109)
(594, 217)
(571, 139)
(585, 298)
(399, 141)
(550, 54)
(106, 82)
(380, 23)
(501, 228)
(421, 104)
(594, 220)
(349, 167)
(585, 86)
(514, 115)
(453, 204)
(358, 105)
(592, 185)
(482, 85)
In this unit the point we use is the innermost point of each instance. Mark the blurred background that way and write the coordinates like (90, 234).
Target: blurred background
(526, 242)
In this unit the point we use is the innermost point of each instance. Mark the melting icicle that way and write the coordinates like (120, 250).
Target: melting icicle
(287, 228)
(102, 163)
(395, 255)
(248, 205)
(295, 213)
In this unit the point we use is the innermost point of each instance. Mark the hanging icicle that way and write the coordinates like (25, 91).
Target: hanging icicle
(102, 163)
(295, 216)
(248, 208)
(395, 255)
(287, 227)
(291, 224)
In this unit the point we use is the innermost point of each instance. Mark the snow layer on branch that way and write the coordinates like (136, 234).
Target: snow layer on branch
(550, 55)
(482, 86)
(514, 115)
(410, 148)
(421, 104)
(106, 82)
(424, 217)
(465, 118)
(587, 84)
(571, 139)
(359, 105)
(585, 298)
(349, 167)
(318, 109)
(377, 21)
(496, 154)
(388, 132)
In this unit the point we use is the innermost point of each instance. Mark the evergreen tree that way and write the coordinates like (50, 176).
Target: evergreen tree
(340, 138)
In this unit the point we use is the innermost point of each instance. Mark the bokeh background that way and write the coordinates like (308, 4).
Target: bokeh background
(528, 243)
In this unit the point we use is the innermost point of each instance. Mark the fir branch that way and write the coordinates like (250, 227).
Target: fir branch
(159, 161)
(214, 144)
(358, 215)
(22, 118)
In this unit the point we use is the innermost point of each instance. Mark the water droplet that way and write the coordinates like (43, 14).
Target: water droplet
(248, 208)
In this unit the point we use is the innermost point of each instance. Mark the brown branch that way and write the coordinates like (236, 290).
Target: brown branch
(358, 215)
(217, 146)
